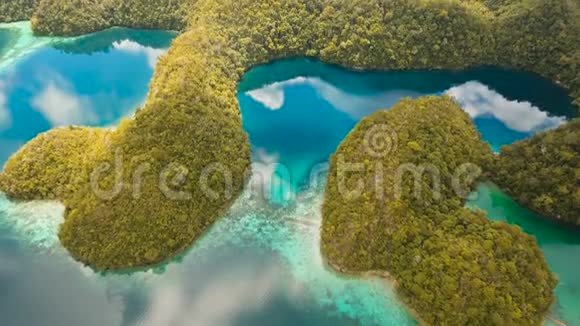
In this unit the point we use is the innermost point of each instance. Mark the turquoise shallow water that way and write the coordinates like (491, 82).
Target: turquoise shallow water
(260, 264)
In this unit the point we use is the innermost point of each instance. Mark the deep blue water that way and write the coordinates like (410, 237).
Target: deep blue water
(260, 264)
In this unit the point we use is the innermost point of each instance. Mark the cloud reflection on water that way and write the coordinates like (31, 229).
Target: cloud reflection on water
(5, 117)
(271, 179)
(220, 298)
(61, 105)
(132, 47)
(477, 99)
(44, 290)
(356, 106)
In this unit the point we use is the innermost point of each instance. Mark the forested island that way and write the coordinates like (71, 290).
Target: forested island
(452, 265)
(543, 173)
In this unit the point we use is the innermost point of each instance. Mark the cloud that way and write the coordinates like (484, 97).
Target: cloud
(8, 265)
(218, 302)
(33, 280)
(272, 95)
(475, 98)
(61, 106)
(358, 106)
(5, 117)
(34, 276)
(270, 179)
(479, 100)
(152, 54)
(35, 223)
(355, 105)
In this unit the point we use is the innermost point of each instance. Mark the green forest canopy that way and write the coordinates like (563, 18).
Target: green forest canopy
(77, 17)
(15, 10)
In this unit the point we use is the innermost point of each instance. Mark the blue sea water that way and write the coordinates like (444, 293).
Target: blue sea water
(260, 264)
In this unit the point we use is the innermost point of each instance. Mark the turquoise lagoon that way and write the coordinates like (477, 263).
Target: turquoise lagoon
(260, 264)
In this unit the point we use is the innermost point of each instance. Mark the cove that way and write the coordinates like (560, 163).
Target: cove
(93, 81)
(260, 264)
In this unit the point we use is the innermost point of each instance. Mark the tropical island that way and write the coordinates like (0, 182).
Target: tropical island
(543, 173)
(452, 265)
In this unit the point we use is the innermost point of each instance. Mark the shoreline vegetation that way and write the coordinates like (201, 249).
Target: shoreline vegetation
(384, 276)
(391, 282)
(191, 120)
(80, 17)
(542, 173)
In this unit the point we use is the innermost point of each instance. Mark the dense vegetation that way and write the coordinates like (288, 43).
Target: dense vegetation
(183, 129)
(543, 173)
(452, 265)
(15, 10)
(76, 17)
(40, 171)
(542, 36)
